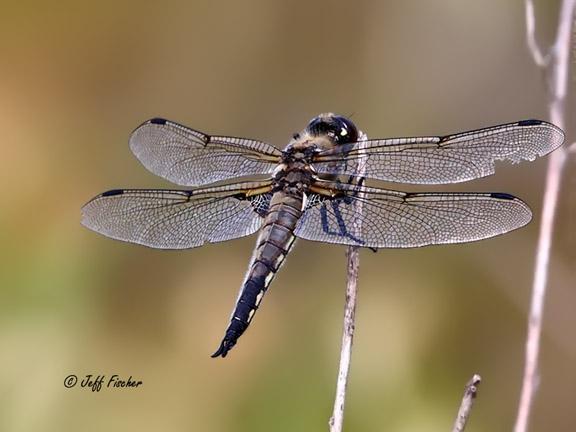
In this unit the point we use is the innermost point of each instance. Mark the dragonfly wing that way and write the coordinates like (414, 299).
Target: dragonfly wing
(190, 158)
(379, 218)
(442, 159)
(172, 219)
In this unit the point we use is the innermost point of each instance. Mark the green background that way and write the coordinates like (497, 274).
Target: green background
(77, 77)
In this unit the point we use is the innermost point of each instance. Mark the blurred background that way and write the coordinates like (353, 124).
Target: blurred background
(77, 77)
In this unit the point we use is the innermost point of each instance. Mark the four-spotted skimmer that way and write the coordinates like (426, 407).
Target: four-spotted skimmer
(314, 190)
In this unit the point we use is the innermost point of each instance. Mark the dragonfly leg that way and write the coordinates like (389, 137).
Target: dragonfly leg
(342, 229)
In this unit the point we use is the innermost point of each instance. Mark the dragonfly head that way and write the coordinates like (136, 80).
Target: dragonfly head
(340, 129)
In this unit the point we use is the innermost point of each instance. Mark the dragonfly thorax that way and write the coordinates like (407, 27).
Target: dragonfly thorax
(294, 180)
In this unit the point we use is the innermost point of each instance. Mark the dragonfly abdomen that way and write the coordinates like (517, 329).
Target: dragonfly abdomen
(275, 240)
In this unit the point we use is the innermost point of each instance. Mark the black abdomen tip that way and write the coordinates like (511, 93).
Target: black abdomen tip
(530, 122)
(502, 195)
(158, 121)
(113, 192)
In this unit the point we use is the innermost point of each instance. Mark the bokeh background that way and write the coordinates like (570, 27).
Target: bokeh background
(77, 77)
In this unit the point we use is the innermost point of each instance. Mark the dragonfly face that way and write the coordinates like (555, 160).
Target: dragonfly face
(314, 191)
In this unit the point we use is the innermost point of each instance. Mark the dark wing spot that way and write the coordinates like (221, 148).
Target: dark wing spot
(531, 122)
(502, 195)
(158, 121)
(113, 192)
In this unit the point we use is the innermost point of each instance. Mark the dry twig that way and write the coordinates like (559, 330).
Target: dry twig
(466, 405)
(347, 337)
(555, 65)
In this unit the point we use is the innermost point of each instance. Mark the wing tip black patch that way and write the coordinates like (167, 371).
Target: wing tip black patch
(158, 121)
(530, 122)
(112, 192)
(503, 196)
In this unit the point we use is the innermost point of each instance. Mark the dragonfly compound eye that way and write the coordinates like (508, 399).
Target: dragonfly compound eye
(339, 128)
(347, 132)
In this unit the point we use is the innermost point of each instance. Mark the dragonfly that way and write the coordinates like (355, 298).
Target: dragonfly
(314, 189)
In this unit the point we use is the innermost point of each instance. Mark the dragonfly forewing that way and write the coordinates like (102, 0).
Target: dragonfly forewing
(190, 158)
(443, 159)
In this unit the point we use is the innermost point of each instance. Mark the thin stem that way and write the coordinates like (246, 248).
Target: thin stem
(337, 418)
(470, 392)
(537, 55)
(557, 72)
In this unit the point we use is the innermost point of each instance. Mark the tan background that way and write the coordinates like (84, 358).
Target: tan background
(77, 77)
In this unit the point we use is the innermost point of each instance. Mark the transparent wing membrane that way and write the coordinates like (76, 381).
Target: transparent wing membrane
(391, 219)
(190, 158)
(171, 219)
(442, 159)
